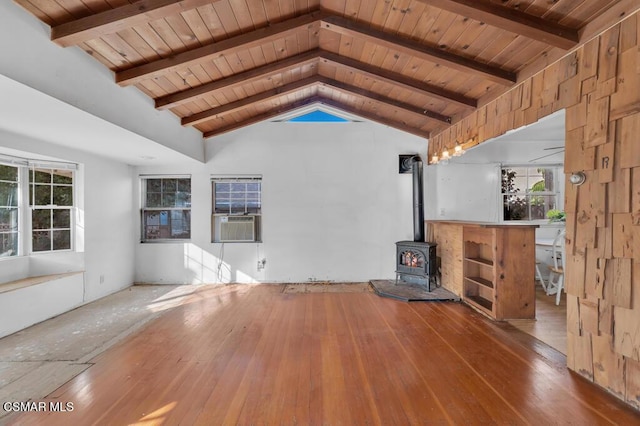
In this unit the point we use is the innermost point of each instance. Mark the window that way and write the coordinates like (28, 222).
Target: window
(166, 208)
(51, 201)
(37, 206)
(237, 209)
(528, 193)
(9, 213)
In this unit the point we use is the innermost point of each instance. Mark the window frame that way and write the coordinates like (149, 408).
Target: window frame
(557, 184)
(216, 217)
(52, 208)
(19, 210)
(144, 208)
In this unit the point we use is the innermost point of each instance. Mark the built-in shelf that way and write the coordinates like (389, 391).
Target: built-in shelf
(497, 270)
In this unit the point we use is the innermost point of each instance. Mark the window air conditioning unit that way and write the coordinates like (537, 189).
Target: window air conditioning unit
(237, 228)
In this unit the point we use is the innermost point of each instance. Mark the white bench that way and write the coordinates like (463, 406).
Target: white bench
(31, 300)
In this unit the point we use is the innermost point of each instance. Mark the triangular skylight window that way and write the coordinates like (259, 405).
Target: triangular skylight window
(318, 116)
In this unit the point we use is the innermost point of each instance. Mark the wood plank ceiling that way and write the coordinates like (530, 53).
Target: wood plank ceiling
(415, 65)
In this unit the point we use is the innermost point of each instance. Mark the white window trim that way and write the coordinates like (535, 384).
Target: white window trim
(559, 194)
(143, 193)
(214, 215)
(25, 237)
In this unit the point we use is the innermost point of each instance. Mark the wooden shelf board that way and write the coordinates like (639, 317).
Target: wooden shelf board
(480, 302)
(479, 261)
(480, 281)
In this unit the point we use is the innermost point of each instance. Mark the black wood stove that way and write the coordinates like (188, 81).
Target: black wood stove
(416, 260)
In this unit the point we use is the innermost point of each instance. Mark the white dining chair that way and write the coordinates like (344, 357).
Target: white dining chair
(555, 284)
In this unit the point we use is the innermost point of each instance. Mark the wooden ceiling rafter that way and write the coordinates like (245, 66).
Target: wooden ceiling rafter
(263, 72)
(244, 41)
(275, 112)
(397, 79)
(367, 94)
(231, 107)
(413, 48)
(272, 113)
(269, 70)
(512, 20)
(316, 19)
(123, 17)
(217, 112)
(375, 118)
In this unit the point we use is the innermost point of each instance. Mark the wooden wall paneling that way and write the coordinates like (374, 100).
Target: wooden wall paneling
(630, 141)
(449, 249)
(622, 236)
(576, 115)
(551, 79)
(595, 278)
(569, 93)
(608, 54)
(632, 382)
(621, 282)
(627, 332)
(605, 162)
(586, 217)
(580, 354)
(605, 308)
(635, 202)
(573, 314)
(589, 316)
(604, 239)
(625, 101)
(608, 366)
(597, 127)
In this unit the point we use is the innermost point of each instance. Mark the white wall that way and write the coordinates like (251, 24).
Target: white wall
(463, 192)
(333, 206)
(72, 76)
(105, 214)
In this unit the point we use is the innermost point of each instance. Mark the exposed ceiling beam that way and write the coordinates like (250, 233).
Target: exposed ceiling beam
(114, 20)
(267, 95)
(215, 50)
(314, 99)
(397, 79)
(255, 74)
(312, 20)
(375, 118)
(243, 103)
(409, 47)
(303, 59)
(376, 97)
(262, 117)
(511, 20)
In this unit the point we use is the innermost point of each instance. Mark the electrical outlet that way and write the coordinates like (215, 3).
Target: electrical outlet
(441, 212)
(261, 264)
(101, 278)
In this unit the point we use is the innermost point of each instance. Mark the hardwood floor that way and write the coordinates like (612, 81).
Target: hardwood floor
(550, 325)
(256, 355)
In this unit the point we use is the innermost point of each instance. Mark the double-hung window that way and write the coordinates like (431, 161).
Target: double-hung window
(37, 206)
(237, 209)
(166, 208)
(51, 201)
(528, 193)
(9, 210)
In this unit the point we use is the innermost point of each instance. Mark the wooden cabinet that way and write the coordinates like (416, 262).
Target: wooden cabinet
(498, 267)
(498, 271)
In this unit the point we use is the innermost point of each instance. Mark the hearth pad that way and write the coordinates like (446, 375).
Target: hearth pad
(411, 292)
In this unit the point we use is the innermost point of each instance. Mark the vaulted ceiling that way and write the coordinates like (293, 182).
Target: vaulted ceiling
(415, 65)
